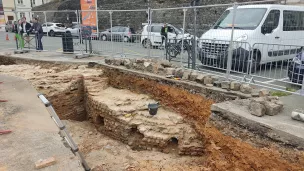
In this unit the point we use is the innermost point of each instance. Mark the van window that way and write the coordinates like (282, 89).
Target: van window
(293, 20)
(246, 19)
(122, 29)
(156, 29)
(115, 29)
(271, 22)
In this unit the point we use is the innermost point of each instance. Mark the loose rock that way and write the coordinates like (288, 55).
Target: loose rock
(179, 72)
(235, 86)
(200, 78)
(208, 80)
(193, 76)
(257, 109)
(186, 74)
(170, 71)
(272, 108)
(264, 92)
(225, 84)
(246, 88)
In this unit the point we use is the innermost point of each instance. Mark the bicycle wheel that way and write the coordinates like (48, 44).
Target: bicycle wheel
(172, 51)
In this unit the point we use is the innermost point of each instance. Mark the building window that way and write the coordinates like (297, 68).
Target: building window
(20, 1)
(11, 18)
(22, 14)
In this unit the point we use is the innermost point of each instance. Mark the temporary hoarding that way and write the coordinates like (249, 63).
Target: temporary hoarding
(88, 13)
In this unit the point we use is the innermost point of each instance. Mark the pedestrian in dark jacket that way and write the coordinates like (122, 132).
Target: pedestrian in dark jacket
(25, 26)
(164, 33)
(37, 29)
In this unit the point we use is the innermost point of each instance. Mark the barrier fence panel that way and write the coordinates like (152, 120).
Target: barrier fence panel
(126, 32)
(174, 19)
(104, 44)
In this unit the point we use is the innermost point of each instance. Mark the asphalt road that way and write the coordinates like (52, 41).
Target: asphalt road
(115, 49)
(264, 75)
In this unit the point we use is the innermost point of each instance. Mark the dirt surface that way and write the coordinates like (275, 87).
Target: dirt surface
(113, 155)
(223, 152)
(242, 151)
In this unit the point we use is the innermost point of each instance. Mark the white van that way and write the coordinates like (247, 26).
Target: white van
(155, 36)
(261, 31)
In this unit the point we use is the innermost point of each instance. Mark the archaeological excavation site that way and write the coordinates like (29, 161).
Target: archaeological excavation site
(140, 114)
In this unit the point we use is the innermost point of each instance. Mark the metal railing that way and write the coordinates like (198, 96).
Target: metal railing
(224, 49)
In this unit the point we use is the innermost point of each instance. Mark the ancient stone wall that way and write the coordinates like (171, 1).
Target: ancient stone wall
(69, 104)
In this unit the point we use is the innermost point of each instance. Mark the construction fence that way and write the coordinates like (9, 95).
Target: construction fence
(249, 42)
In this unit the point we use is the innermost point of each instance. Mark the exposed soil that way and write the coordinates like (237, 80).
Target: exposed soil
(237, 150)
(224, 152)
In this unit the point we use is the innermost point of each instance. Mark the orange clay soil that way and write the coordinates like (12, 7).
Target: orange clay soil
(222, 152)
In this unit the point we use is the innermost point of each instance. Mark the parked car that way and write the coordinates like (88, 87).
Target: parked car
(119, 33)
(296, 69)
(74, 30)
(53, 29)
(9, 26)
(257, 29)
(155, 36)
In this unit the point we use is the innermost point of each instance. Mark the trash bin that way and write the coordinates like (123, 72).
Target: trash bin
(67, 42)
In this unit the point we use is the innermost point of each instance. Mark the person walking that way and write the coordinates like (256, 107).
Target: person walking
(37, 29)
(164, 33)
(19, 39)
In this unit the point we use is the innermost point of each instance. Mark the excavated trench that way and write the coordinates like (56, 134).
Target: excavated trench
(115, 102)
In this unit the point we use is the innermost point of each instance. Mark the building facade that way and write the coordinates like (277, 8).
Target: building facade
(23, 8)
(8, 7)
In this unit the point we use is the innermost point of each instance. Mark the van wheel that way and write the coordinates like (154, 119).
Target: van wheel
(126, 39)
(104, 38)
(146, 43)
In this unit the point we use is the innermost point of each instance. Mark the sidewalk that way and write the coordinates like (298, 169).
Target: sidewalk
(34, 135)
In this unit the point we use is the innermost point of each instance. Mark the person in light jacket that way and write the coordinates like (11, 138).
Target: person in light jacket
(37, 29)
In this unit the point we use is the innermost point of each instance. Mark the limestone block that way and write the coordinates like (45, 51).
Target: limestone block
(257, 109)
(235, 86)
(208, 80)
(179, 72)
(298, 115)
(186, 74)
(200, 78)
(225, 84)
(272, 108)
(264, 92)
(148, 66)
(170, 71)
(193, 76)
(246, 88)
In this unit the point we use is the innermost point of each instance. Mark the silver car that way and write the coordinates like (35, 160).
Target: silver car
(119, 33)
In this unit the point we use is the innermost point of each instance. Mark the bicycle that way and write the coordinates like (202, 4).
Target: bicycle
(175, 48)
